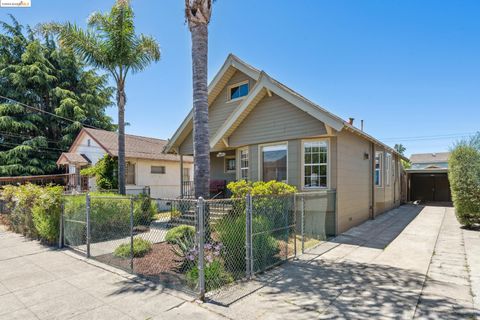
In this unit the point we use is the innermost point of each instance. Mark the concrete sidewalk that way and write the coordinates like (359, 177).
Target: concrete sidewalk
(376, 271)
(39, 283)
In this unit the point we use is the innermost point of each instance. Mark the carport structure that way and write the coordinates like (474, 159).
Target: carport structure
(428, 178)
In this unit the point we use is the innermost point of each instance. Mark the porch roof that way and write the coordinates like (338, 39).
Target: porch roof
(72, 158)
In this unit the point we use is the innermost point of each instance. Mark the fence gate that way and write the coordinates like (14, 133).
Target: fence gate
(74, 223)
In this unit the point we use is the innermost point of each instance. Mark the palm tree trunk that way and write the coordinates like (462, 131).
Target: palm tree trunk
(121, 139)
(201, 140)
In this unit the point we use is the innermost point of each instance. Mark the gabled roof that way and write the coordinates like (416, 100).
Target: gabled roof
(430, 157)
(73, 158)
(264, 85)
(135, 146)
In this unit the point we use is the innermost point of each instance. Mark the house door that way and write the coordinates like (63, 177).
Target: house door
(430, 187)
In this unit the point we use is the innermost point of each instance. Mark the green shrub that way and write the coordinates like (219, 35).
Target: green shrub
(140, 248)
(19, 202)
(144, 210)
(46, 214)
(464, 176)
(231, 233)
(105, 173)
(215, 276)
(241, 188)
(180, 233)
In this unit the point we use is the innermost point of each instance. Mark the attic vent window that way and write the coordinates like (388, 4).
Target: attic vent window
(238, 90)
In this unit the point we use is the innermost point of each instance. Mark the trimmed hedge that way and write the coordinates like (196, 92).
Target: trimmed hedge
(34, 211)
(464, 176)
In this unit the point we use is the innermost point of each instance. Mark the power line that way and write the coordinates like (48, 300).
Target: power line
(46, 112)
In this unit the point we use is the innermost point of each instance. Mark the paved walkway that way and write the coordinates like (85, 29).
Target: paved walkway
(376, 271)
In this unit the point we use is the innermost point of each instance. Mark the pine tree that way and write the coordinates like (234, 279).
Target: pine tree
(36, 72)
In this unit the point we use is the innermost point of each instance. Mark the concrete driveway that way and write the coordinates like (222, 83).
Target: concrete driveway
(410, 263)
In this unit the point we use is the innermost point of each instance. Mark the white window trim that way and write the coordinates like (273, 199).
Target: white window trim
(225, 164)
(164, 169)
(388, 169)
(239, 162)
(260, 162)
(302, 168)
(381, 169)
(237, 85)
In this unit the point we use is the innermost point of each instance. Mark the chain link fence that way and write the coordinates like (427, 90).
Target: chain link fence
(199, 246)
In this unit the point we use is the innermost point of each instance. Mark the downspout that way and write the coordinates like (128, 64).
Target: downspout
(372, 181)
(181, 176)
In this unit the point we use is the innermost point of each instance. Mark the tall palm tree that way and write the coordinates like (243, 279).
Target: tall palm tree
(110, 43)
(197, 14)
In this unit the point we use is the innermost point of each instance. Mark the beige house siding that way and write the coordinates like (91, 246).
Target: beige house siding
(161, 185)
(220, 109)
(353, 180)
(274, 119)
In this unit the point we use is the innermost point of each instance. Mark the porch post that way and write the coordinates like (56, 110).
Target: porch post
(181, 176)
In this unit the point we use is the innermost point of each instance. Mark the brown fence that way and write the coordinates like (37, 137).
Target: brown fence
(69, 180)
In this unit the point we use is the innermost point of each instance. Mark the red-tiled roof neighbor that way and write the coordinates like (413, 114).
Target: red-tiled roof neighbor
(135, 146)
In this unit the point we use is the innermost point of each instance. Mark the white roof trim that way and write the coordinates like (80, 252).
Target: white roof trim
(231, 61)
(266, 83)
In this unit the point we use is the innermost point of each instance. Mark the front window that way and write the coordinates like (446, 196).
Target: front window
(158, 169)
(274, 162)
(315, 166)
(130, 173)
(230, 164)
(378, 168)
(244, 164)
(238, 90)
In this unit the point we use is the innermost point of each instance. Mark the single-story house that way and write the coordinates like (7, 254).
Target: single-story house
(147, 165)
(428, 177)
(262, 130)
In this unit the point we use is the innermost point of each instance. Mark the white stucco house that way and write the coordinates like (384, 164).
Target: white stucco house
(148, 167)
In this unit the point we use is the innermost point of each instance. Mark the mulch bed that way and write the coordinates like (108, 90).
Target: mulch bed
(159, 265)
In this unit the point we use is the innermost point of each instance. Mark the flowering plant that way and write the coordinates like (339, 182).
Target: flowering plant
(212, 251)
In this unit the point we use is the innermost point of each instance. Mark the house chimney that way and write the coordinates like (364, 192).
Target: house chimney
(350, 121)
(361, 125)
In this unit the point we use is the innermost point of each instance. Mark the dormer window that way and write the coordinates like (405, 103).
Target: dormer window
(238, 90)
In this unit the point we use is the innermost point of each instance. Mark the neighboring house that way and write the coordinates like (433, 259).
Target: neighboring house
(147, 165)
(262, 130)
(428, 177)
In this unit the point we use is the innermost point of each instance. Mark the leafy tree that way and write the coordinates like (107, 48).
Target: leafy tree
(197, 14)
(464, 177)
(37, 73)
(105, 173)
(110, 43)
(400, 148)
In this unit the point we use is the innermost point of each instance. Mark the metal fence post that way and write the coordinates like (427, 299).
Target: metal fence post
(295, 225)
(302, 218)
(131, 234)
(201, 246)
(87, 200)
(248, 238)
(61, 232)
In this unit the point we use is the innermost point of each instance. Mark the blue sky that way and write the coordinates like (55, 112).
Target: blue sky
(409, 69)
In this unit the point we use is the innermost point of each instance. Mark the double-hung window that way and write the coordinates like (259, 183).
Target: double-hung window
(315, 164)
(130, 173)
(243, 155)
(378, 168)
